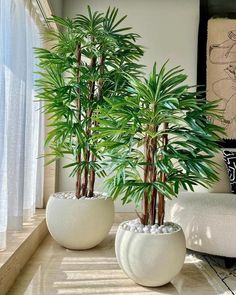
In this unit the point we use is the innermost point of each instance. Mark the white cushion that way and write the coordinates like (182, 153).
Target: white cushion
(208, 221)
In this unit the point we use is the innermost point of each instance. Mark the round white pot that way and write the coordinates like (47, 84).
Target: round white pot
(150, 260)
(79, 223)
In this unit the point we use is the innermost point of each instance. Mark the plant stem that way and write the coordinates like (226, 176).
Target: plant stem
(78, 107)
(92, 179)
(99, 95)
(78, 179)
(145, 215)
(161, 203)
(161, 209)
(100, 82)
(153, 179)
(89, 113)
(153, 206)
(85, 179)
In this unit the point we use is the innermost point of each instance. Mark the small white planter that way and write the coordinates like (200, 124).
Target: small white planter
(79, 223)
(150, 260)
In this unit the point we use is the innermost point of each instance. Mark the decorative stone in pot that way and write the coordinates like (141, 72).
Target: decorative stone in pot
(151, 256)
(79, 224)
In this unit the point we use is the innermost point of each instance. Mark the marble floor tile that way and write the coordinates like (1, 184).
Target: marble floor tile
(56, 270)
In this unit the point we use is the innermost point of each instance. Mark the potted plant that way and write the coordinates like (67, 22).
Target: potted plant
(158, 139)
(86, 62)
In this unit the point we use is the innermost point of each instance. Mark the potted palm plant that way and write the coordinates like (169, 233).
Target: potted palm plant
(158, 139)
(86, 62)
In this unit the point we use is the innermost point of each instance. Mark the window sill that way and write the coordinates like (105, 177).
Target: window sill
(21, 245)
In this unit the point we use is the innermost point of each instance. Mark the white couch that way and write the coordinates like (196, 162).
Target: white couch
(208, 218)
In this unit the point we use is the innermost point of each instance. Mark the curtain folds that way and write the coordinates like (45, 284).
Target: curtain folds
(21, 122)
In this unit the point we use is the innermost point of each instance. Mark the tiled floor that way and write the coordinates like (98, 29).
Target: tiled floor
(55, 270)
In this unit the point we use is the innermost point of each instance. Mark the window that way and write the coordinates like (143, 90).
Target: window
(21, 122)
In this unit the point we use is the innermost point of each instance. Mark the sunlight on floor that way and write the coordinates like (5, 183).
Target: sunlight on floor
(56, 270)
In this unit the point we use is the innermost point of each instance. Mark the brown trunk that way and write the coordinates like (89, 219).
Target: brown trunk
(161, 209)
(85, 183)
(78, 106)
(78, 180)
(145, 215)
(87, 152)
(99, 95)
(161, 204)
(153, 179)
(154, 198)
(92, 180)
(153, 206)
(86, 171)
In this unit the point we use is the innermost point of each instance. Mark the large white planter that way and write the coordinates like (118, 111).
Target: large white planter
(79, 223)
(150, 260)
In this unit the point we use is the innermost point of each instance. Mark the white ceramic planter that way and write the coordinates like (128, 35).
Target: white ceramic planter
(150, 260)
(79, 223)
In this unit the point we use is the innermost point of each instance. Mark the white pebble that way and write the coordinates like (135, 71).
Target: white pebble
(164, 230)
(137, 227)
(168, 223)
(171, 230)
(146, 229)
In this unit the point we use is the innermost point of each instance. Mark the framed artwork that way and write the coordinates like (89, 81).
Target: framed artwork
(217, 61)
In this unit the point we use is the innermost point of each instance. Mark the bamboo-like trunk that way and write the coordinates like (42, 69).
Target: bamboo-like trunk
(78, 179)
(161, 209)
(99, 95)
(153, 179)
(161, 203)
(87, 152)
(153, 206)
(91, 180)
(78, 107)
(154, 191)
(145, 215)
(86, 171)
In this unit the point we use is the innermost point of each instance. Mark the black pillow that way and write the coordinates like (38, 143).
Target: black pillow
(230, 161)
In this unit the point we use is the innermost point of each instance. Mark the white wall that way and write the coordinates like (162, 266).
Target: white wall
(57, 7)
(169, 31)
(168, 27)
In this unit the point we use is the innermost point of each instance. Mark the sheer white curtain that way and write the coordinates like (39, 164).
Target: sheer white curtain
(21, 124)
